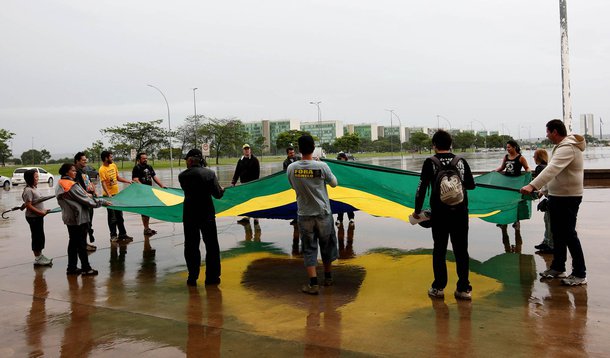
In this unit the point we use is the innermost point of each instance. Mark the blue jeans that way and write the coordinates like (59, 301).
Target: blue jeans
(563, 211)
(318, 231)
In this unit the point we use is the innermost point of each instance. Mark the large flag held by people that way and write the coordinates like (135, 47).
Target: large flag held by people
(376, 190)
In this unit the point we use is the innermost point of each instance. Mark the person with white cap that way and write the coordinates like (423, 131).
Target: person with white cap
(247, 170)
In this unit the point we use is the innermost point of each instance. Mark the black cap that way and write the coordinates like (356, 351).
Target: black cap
(194, 153)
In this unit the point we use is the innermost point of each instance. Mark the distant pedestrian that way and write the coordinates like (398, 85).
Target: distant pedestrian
(82, 178)
(110, 178)
(34, 215)
(350, 214)
(308, 178)
(75, 203)
(246, 170)
(199, 218)
(448, 221)
(145, 174)
(290, 158)
(563, 176)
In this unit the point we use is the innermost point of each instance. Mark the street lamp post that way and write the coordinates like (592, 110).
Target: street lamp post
(317, 104)
(484, 138)
(438, 126)
(169, 126)
(392, 114)
(195, 102)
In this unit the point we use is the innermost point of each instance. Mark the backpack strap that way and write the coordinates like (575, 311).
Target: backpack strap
(436, 161)
(455, 160)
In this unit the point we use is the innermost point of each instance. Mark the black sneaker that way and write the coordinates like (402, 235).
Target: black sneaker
(210, 282)
(310, 289)
(125, 237)
(191, 282)
(74, 271)
(89, 272)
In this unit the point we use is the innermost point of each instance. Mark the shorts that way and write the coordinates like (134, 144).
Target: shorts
(318, 231)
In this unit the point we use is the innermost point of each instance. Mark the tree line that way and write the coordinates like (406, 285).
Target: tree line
(226, 136)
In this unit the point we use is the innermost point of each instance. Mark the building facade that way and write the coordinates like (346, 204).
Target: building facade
(326, 131)
(364, 131)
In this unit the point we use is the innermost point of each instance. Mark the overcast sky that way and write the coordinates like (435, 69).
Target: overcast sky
(70, 68)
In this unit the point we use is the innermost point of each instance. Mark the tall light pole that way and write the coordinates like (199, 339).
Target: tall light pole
(195, 102)
(484, 138)
(169, 133)
(565, 66)
(392, 114)
(529, 132)
(437, 121)
(317, 104)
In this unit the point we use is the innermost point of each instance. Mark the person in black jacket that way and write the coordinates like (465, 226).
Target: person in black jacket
(290, 158)
(199, 218)
(447, 222)
(247, 170)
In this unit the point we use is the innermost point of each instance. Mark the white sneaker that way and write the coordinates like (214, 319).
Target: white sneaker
(550, 273)
(463, 295)
(351, 221)
(337, 223)
(574, 281)
(436, 293)
(43, 261)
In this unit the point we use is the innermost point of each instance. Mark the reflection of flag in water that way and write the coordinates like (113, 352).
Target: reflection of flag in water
(375, 190)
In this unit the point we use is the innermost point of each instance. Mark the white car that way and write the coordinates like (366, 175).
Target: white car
(43, 176)
(5, 182)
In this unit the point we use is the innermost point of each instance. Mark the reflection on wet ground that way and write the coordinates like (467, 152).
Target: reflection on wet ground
(140, 304)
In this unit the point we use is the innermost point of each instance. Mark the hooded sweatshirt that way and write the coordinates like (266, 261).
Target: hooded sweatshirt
(564, 175)
(75, 202)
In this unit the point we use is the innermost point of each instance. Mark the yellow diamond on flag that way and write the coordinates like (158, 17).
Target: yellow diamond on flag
(167, 198)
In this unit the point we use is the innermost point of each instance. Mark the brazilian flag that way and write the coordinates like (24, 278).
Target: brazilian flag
(376, 190)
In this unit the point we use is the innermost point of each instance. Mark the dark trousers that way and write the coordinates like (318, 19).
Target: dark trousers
(563, 211)
(193, 233)
(37, 229)
(77, 247)
(90, 229)
(115, 220)
(452, 225)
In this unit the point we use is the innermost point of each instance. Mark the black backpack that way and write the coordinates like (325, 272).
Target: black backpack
(447, 186)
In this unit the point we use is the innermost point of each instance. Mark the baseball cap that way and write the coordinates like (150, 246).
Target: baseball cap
(194, 153)
(245, 146)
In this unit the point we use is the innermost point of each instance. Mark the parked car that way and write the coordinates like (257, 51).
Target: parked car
(5, 182)
(43, 176)
(92, 173)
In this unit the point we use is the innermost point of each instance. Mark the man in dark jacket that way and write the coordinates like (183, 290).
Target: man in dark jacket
(447, 222)
(248, 168)
(199, 218)
(290, 158)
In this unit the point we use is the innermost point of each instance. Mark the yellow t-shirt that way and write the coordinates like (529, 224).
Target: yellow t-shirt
(109, 175)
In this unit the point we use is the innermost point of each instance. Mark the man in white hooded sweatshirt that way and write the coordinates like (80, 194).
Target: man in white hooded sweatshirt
(563, 177)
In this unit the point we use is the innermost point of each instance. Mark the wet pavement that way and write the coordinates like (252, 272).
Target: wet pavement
(140, 305)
